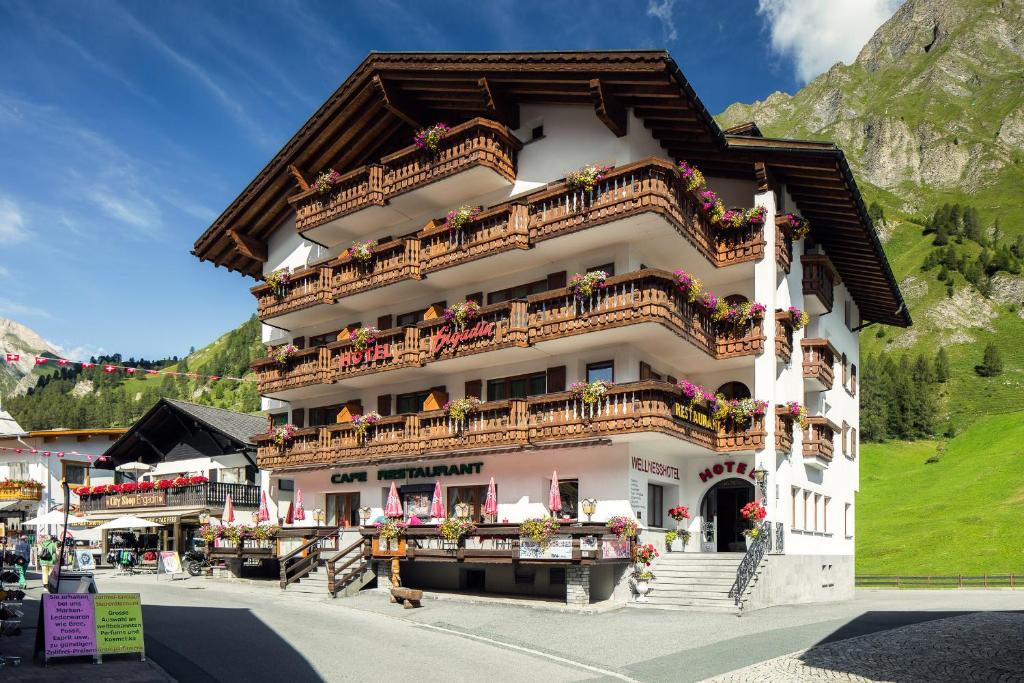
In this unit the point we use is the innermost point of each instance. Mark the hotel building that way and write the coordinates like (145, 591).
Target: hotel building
(519, 125)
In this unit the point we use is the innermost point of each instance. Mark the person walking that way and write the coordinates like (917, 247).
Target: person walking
(21, 554)
(48, 553)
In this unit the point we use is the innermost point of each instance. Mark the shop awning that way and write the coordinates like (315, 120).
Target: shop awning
(161, 515)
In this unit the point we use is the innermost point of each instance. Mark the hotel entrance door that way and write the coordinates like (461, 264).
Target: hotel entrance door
(720, 511)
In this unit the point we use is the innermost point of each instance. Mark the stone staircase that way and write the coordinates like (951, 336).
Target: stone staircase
(695, 581)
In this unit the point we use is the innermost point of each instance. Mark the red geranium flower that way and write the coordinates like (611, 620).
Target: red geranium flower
(164, 484)
(146, 485)
(198, 479)
(83, 491)
(181, 481)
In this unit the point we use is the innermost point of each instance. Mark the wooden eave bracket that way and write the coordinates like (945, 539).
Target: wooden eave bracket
(608, 108)
(248, 246)
(297, 174)
(498, 107)
(395, 104)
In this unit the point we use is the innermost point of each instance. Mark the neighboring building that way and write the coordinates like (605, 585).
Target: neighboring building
(521, 123)
(180, 441)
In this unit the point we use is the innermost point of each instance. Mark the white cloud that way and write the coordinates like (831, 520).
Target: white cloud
(79, 352)
(662, 11)
(5, 271)
(13, 308)
(12, 222)
(816, 34)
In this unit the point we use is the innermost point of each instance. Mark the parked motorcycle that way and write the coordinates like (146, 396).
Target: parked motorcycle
(195, 562)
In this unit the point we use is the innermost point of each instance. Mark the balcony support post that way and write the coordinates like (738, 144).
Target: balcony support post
(765, 364)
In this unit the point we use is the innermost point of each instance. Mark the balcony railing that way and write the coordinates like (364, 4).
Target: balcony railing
(638, 407)
(32, 491)
(497, 326)
(783, 244)
(394, 348)
(818, 439)
(355, 190)
(305, 289)
(644, 188)
(783, 336)
(819, 280)
(783, 430)
(193, 495)
(307, 367)
(819, 359)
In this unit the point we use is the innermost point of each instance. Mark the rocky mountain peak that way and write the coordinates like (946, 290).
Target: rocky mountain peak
(16, 377)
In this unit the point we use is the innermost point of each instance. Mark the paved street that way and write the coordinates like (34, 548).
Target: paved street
(207, 630)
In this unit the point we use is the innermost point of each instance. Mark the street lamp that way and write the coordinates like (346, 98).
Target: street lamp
(462, 510)
(364, 514)
(761, 477)
(589, 507)
(204, 517)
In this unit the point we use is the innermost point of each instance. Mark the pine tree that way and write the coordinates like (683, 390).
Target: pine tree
(992, 363)
(941, 366)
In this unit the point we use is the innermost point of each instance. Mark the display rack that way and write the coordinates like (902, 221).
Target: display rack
(11, 608)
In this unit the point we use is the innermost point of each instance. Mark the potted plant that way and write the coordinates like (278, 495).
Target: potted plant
(282, 353)
(459, 217)
(326, 181)
(796, 226)
(585, 286)
(461, 408)
(278, 281)
(461, 314)
(642, 584)
(362, 252)
(670, 538)
(753, 512)
(690, 176)
(453, 529)
(587, 178)
(797, 412)
(283, 434)
(363, 337)
(429, 139)
(589, 392)
(622, 526)
(643, 556)
(390, 531)
(798, 319)
(362, 423)
(539, 529)
(689, 286)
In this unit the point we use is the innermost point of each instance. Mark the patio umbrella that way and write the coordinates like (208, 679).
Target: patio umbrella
(491, 502)
(228, 516)
(50, 518)
(394, 506)
(437, 504)
(129, 522)
(289, 517)
(264, 514)
(299, 512)
(136, 467)
(554, 496)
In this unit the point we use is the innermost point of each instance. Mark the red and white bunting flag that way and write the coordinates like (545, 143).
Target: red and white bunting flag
(130, 371)
(214, 378)
(89, 458)
(17, 450)
(13, 357)
(152, 372)
(102, 458)
(41, 361)
(86, 366)
(46, 454)
(33, 451)
(109, 369)
(60, 454)
(62, 361)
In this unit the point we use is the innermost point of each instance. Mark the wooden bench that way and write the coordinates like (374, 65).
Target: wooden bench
(409, 597)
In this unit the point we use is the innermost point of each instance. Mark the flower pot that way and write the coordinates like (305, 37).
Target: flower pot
(749, 541)
(642, 589)
(676, 546)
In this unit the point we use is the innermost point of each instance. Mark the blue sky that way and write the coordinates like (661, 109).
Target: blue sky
(127, 127)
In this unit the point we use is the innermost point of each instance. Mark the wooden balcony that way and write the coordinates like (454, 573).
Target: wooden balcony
(497, 326)
(783, 245)
(208, 494)
(393, 261)
(627, 409)
(783, 430)
(819, 283)
(503, 228)
(308, 367)
(646, 296)
(819, 359)
(307, 288)
(818, 442)
(783, 336)
(31, 491)
(395, 348)
(474, 159)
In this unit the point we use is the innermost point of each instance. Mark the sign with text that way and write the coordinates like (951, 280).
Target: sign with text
(558, 548)
(377, 353)
(118, 623)
(69, 624)
(614, 548)
(729, 468)
(136, 500)
(448, 338)
(690, 414)
(170, 562)
(656, 468)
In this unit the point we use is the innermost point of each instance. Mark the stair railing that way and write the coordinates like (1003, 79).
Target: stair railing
(751, 561)
(299, 562)
(354, 554)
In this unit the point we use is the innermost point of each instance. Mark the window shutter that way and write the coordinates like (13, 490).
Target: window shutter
(384, 323)
(299, 417)
(557, 280)
(556, 379)
(645, 371)
(475, 388)
(384, 404)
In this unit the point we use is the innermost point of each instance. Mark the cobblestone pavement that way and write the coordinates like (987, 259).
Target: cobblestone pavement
(973, 647)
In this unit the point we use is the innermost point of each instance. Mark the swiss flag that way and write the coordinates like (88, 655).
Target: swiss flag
(13, 357)
(18, 450)
(60, 454)
(46, 454)
(88, 365)
(109, 369)
(62, 361)
(130, 371)
(152, 372)
(41, 361)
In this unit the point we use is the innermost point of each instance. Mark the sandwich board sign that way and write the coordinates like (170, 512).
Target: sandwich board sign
(91, 625)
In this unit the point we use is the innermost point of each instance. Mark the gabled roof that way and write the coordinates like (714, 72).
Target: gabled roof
(9, 426)
(239, 426)
(390, 95)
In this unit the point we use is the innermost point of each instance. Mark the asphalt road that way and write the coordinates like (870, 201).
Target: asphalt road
(206, 630)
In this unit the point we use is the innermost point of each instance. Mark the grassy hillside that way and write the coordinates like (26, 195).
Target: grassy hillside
(957, 515)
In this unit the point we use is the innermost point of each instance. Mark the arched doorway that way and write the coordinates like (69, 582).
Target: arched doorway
(734, 391)
(720, 512)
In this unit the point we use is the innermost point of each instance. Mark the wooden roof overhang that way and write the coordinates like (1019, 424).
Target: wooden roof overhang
(390, 95)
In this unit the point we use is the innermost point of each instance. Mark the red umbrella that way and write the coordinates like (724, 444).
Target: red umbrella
(437, 504)
(289, 517)
(264, 514)
(491, 502)
(554, 496)
(228, 516)
(394, 506)
(300, 512)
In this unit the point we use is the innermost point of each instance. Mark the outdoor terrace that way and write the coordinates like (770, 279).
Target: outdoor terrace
(193, 495)
(627, 410)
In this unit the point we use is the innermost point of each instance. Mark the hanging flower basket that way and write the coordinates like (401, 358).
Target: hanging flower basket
(461, 408)
(797, 412)
(744, 410)
(363, 337)
(362, 423)
(585, 286)
(623, 527)
(278, 281)
(284, 434)
(539, 530)
(281, 354)
(460, 217)
(690, 176)
(755, 216)
(798, 319)
(429, 139)
(679, 513)
(461, 314)
(689, 286)
(391, 529)
(362, 252)
(589, 392)
(452, 529)
(796, 226)
(587, 178)
(326, 181)
(711, 205)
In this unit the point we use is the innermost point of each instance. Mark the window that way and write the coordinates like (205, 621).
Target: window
(74, 473)
(817, 508)
(324, 415)
(517, 292)
(734, 390)
(608, 268)
(475, 496)
(232, 475)
(853, 442)
(537, 133)
(411, 403)
(343, 509)
(324, 339)
(410, 318)
(18, 470)
(278, 419)
(846, 429)
(285, 484)
(520, 386)
(569, 492)
(807, 495)
(655, 505)
(824, 515)
(603, 370)
(853, 380)
(848, 520)
(795, 494)
(847, 315)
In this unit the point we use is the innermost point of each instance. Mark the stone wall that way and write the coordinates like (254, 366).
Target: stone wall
(793, 579)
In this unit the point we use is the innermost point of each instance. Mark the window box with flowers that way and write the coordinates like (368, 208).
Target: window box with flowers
(587, 177)
(391, 536)
(452, 529)
(582, 287)
(622, 526)
(283, 435)
(282, 353)
(540, 530)
(362, 252)
(429, 139)
(363, 423)
(793, 225)
(278, 281)
(460, 409)
(460, 217)
(589, 393)
(325, 181)
(363, 337)
(461, 314)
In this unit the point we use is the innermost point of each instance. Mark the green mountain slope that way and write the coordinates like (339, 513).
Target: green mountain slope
(956, 515)
(74, 398)
(932, 112)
